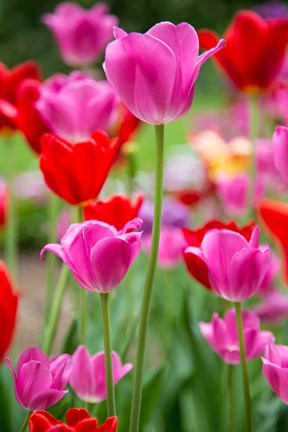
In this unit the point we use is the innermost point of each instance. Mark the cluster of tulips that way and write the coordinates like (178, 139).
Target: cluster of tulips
(80, 128)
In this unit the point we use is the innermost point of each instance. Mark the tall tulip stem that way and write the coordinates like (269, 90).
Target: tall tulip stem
(26, 421)
(111, 405)
(149, 282)
(244, 367)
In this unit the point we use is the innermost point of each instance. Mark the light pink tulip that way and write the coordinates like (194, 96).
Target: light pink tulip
(236, 267)
(39, 381)
(81, 34)
(275, 369)
(222, 336)
(233, 193)
(76, 105)
(280, 147)
(154, 73)
(88, 374)
(97, 254)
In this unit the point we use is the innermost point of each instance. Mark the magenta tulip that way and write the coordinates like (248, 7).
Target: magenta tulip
(275, 370)
(274, 308)
(76, 105)
(233, 193)
(280, 148)
(154, 73)
(39, 381)
(236, 268)
(81, 34)
(88, 374)
(97, 254)
(222, 336)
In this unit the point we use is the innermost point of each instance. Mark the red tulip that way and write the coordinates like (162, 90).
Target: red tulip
(78, 420)
(274, 214)
(127, 125)
(8, 310)
(116, 210)
(254, 51)
(77, 172)
(10, 80)
(195, 266)
(28, 118)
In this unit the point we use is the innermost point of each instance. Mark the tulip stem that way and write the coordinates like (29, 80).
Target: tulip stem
(254, 131)
(244, 367)
(51, 328)
(26, 421)
(149, 282)
(231, 378)
(111, 406)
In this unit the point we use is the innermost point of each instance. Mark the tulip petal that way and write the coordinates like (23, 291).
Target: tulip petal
(61, 367)
(82, 378)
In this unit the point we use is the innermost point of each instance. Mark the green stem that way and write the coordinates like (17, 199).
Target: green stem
(149, 281)
(244, 367)
(26, 421)
(111, 406)
(254, 130)
(51, 259)
(51, 328)
(231, 378)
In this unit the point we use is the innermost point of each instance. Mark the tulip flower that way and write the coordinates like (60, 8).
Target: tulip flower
(88, 378)
(280, 148)
(81, 34)
(116, 210)
(4, 202)
(154, 73)
(274, 215)
(250, 65)
(10, 81)
(8, 310)
(77, 172)
(78, 419)
(235, 267)
(233, 193)
(196, 266)
(221, 335)
(39, 381)
(76, 105)
(275, 369)
(97, 254)
(274, 307)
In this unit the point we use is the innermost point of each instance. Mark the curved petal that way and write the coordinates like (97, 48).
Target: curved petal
(61, 367)
(82, 379)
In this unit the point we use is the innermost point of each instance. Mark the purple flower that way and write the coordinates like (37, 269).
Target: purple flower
(76, 105)
(275, 371)
(88, 374)
(222, 336)
(97, 254)
(39, 381)
(154, 73)
(81, 34)
(236, 267)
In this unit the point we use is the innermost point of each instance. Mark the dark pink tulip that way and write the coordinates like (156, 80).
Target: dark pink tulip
(81, 34)
(222, 336)
(236, 267)
(280, 147)
(275, 369)
(39, 381)
(97, 254)
(154, 73)
(88, 374)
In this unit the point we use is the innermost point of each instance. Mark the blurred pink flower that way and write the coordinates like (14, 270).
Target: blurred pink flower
(81, 34)
(97, 254)
(233, 193)
(39, 381)
(275, 369)
(154, 73)
(87, 378)
(280, 148)
(222, 336)
(76, 105)
(274, 308)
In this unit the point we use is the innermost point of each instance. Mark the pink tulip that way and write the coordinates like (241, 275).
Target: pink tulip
(76, 105)
(274, 308)
(97, 254)
(81, 34)
(154, 73)
(88, 374)
(170, 246)
(39, 381)
(275, 369)
(280, 147)
(222, 336)
(236, 267)
(233, 193)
